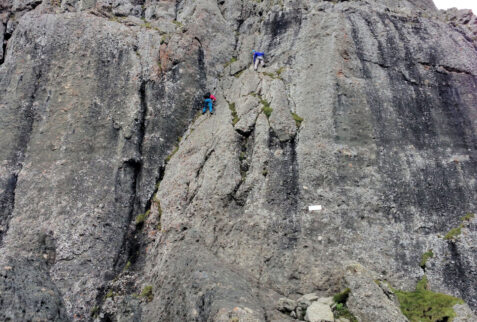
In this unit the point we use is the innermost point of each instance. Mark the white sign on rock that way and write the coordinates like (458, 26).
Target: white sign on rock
(315, 208)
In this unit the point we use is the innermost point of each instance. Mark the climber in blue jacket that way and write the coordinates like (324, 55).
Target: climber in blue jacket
(208, 103)
(258, 57)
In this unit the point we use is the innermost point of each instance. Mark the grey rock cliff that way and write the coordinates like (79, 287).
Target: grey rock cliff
(98, 126)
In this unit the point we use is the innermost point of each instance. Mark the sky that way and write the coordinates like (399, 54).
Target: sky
(460, 4)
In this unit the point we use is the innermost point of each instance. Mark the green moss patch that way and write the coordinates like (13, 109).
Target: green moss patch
(280, 71)
(425, 305)
(174, 151)
(341, 310)
(276, 75)
(109, 294)
(140, 219)
(147, 293)
(269, 74)
(297, 119)
(455, 232)
(342, 297)
(425, 257)
(267, 110)
(159, 214)
(233, 111)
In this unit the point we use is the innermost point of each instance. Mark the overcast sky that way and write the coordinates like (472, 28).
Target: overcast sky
(461, 4)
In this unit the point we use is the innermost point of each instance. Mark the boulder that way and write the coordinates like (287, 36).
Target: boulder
(286, 305)
(319, 312)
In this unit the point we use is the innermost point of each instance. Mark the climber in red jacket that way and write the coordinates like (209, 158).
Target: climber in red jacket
(212, 97)
(209, 99)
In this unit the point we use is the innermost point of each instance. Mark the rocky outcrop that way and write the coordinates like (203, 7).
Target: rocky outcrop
(89, 117)
(364, 108)
(463, 20)
(368, 300)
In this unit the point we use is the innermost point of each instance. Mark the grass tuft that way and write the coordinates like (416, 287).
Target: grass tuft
(297, 119)
(455, 232)
(266, 108)
(425, 258)
(341, 310)
(233, 111)
(280, 71)
(425, 305)
(269, 74)
(147, 293)
(342, 297)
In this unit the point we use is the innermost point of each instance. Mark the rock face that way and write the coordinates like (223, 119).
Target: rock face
(367, 108)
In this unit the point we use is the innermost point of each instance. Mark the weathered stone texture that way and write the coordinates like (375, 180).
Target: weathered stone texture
(94, 100)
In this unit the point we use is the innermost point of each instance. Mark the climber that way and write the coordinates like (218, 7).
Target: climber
(212, 97)
(258, 57)
(208, 103)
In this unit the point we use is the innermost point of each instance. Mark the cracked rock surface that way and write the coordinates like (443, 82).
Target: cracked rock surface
(119, 203)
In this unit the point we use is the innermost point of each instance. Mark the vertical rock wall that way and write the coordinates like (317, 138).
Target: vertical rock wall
(365, 108)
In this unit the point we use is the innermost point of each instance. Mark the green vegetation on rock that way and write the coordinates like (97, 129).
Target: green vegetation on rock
(176, 148)
(425, 258)
(237, 74)
(342, 297)
(425, 305)
(159, 214)
(341, 310)
(94, 311)
(297, 119)
(275, 75)
(109, 294)
(178, 23)
(455, 232)
(233, 111)
(280, 71)
(147, 293)
(230, 62)
(140, 219)
(269, 74)
(169, 157)
(267, 110)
